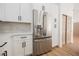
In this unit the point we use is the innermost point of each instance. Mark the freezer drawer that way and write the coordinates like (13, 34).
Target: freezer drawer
(42, 46)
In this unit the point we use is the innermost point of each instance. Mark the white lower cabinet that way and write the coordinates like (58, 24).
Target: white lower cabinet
(28, 48)
(22, 46)
(17, 47)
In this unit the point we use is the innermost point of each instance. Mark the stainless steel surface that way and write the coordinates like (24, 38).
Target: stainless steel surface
(42, 42)
(40, 29)
(42, 46)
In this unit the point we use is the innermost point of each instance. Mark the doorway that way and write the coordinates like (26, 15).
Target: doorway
(64, 29)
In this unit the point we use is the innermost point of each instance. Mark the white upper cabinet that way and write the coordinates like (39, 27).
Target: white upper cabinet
(16, 12)
(26, 12)
(2, 11)
(12, 11)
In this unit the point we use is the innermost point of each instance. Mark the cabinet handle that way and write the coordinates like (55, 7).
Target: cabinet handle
(23, 37)
(19, 18)
(23, 44)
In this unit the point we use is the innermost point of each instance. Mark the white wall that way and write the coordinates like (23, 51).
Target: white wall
(55, 31)
(67, 9)
(76, 12)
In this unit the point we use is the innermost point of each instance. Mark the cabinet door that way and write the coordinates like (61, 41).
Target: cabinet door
(12, 11)
(26, 12)
(2, 11)
(18, 50)
(28, 48)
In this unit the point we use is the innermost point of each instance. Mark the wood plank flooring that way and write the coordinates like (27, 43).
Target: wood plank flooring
(66, 50)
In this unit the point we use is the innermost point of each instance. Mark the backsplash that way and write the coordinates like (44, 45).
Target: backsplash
(6, 27)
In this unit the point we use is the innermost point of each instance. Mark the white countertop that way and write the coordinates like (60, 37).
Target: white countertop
(5, 36)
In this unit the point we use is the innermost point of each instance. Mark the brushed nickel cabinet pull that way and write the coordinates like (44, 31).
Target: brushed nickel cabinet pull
(23, 37)
(23, 44)
(18, 18)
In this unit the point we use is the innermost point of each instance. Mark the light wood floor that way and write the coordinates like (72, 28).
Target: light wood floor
(67, 50)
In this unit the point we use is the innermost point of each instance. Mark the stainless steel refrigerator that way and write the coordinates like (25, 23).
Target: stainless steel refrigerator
(42, 38)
